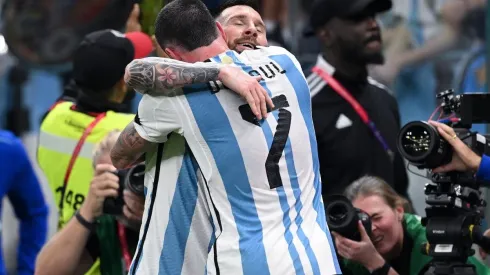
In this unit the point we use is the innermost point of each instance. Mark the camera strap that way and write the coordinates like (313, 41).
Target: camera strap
(341, 91)
(121, 233)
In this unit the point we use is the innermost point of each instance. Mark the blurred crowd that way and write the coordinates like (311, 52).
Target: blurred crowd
(429, 46)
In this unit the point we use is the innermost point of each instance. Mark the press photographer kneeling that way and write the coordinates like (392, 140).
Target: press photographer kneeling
(105, 227)
(390, 244)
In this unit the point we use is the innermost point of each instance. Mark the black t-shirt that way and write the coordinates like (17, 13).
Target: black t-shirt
(347, 148)
(401, 264)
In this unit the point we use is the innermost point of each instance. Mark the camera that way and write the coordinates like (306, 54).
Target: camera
(131, 179)
(343, 217)
(454, 205)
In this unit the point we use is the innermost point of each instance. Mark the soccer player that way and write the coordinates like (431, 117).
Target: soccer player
(266, 204)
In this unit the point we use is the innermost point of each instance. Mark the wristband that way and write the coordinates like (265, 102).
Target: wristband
(90, 226)
(384, 270)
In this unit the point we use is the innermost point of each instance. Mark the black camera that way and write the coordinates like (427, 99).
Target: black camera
(131, 179)
(343, 217)
(454, 203)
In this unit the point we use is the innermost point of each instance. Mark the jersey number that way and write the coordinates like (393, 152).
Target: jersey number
(279, 140)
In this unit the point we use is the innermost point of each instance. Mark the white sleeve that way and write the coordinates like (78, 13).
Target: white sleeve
(156, 118)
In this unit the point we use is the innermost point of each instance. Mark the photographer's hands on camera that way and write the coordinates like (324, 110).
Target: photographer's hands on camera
(105, 184)
(362, 252)
(464, 159)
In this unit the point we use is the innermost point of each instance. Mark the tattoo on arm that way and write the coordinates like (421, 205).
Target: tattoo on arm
(129, 148)
(161, 74)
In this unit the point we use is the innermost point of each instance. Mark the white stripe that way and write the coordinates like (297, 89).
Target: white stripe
(266, 200)
(302, 155)
(317, 88)
(310, 78)
(196, 249)
(229, 255)
(64, 145)
(169, 169)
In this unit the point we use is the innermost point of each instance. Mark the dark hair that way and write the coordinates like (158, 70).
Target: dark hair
(185, 23)
(373, 186)
(254, 4)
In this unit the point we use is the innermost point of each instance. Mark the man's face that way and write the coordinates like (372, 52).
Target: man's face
(244, 28)
(358, 36)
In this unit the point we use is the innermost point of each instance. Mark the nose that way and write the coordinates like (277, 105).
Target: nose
(372, 23)
(251, 31)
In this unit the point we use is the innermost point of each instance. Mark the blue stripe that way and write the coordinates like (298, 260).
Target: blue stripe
(303, 94)
(180, 218)
(217, 132)
(282, 195)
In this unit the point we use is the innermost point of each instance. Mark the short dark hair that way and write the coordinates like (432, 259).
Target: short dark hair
(185, 23)
(254, 4)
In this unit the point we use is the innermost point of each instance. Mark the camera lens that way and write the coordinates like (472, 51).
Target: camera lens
(416, 141)
(135, 180)
(338, 213)
(421, 145)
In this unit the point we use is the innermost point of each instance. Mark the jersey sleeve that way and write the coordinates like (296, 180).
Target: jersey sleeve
(156, 118)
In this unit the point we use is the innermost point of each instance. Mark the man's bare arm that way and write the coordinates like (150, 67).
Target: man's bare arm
(161, 74)
(129, 148)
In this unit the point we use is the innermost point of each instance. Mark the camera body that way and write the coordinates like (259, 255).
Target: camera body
(131, 179)
(343, 217)
(454, 205)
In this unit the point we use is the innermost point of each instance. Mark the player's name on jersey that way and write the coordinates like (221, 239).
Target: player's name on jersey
(267, 71)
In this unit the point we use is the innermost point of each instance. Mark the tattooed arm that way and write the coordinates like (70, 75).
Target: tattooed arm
(160, 75)
(129, 148)
(163, 74)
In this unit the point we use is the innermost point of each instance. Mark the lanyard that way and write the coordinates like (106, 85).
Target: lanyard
(340, 90)
(121, 232)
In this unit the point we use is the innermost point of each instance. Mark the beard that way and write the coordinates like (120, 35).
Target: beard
(359, 53)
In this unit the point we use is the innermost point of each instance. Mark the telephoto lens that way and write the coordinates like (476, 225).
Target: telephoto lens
(420, 143)
(343, 217)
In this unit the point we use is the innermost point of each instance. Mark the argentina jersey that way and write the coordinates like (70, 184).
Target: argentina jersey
(262, 176)
(176, 232)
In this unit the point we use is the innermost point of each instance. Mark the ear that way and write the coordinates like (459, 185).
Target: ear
(173, 53)
(221, 30)
(326, 36)
(399, 212)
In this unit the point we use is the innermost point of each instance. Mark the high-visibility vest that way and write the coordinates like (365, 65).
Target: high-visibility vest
(60, 132)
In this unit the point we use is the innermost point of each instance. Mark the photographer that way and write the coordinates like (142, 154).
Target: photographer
(75, 248)
(394, 245)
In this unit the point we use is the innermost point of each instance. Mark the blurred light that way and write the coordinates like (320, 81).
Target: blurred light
(3, 46)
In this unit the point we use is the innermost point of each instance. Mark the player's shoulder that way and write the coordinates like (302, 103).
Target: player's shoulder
(10, 144)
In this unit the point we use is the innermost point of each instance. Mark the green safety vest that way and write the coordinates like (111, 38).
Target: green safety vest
(59, 134)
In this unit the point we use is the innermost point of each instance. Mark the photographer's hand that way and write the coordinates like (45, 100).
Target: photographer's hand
(464, 159)
(362, 252)
(103, 185)
(484, 254)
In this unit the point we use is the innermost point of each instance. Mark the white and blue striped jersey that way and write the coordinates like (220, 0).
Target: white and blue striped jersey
(180, 234)
(262, 177)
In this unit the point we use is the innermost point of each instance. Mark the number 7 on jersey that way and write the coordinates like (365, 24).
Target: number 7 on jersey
(280, 137)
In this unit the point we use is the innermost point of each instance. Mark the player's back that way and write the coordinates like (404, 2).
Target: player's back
(263, 175)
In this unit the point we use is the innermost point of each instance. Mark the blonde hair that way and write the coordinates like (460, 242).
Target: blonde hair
(374, 186)
(105, 146)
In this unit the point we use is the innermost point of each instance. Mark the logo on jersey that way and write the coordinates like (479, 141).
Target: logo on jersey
(343, 122)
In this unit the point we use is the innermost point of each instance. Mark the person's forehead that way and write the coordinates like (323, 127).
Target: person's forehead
(241, 11)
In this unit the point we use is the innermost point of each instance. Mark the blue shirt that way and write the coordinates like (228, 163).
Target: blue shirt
(474, 80)
(20, 184)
